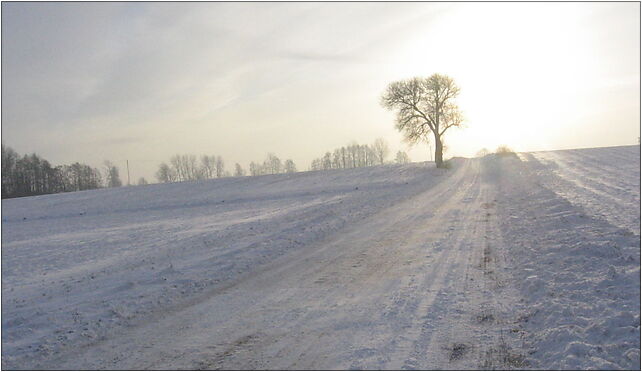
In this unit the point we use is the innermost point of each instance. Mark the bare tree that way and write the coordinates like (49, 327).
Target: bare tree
(402, 158)
(178, 169)
(336, 159)
(424, 105)
(9, 161)
(503, 150)
(317, 164)
(380, 148)
(371, 156)
(185, 168)
(353, 150)
(220, 166)
(483, 152)
(238, 170)
(194, 172)
(344, 158)
(272, 164)
(165, 174)
(112, 178)
(363, 152)
(82, 177)
(208, 166)
(255, 169)
(327, 161)
(289, 166)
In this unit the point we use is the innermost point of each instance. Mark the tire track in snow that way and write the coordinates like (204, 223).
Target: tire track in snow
(298, 353)
(337, 305)
(420, 334)
(467, 324)
(133, 288)
(389, 291)
(178, 323)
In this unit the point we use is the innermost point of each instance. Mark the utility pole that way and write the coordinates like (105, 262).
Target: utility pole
(127, 172)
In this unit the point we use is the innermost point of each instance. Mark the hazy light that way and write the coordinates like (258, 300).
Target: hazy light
(142, 81)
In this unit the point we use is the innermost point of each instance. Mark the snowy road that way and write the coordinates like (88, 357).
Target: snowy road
(482, 266)
(414, 281)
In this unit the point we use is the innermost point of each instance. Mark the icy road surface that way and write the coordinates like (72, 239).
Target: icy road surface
(497, 263)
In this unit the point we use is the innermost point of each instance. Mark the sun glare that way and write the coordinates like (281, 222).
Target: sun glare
(524, 71)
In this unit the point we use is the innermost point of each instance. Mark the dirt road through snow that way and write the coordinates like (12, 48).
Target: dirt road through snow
(498, 263)
(418, 285)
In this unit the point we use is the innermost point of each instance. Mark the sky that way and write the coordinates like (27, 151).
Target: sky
(91, 82)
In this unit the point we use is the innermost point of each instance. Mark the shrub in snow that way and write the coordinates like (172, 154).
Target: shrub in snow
(504, 150)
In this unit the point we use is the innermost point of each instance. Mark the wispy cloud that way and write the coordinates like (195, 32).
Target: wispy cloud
(199, 74)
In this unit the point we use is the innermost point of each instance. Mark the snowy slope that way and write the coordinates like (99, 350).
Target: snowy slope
(574, 221)
(603, 181)
(77, 266)
(495, 263)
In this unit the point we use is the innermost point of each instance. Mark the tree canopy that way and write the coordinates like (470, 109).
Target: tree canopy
(424, 106)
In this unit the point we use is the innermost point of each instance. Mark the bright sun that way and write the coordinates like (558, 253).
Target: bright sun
(524, 70)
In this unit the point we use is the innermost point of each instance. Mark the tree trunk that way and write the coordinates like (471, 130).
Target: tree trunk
(438, 152)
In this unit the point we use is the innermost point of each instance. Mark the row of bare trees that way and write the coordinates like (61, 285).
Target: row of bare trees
(272, 165)
(402, 157)
(31, 175)
(355, 155)
(188, 168)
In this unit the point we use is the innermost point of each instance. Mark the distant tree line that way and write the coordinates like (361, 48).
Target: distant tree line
(188, 168)
(272, 165)
(31, 175)
(402, 158)
(355, 155)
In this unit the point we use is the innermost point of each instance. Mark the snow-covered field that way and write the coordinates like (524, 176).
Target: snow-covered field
(498, 263)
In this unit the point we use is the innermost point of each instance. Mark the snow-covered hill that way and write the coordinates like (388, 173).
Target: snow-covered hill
(529, 262)
(573, 220)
